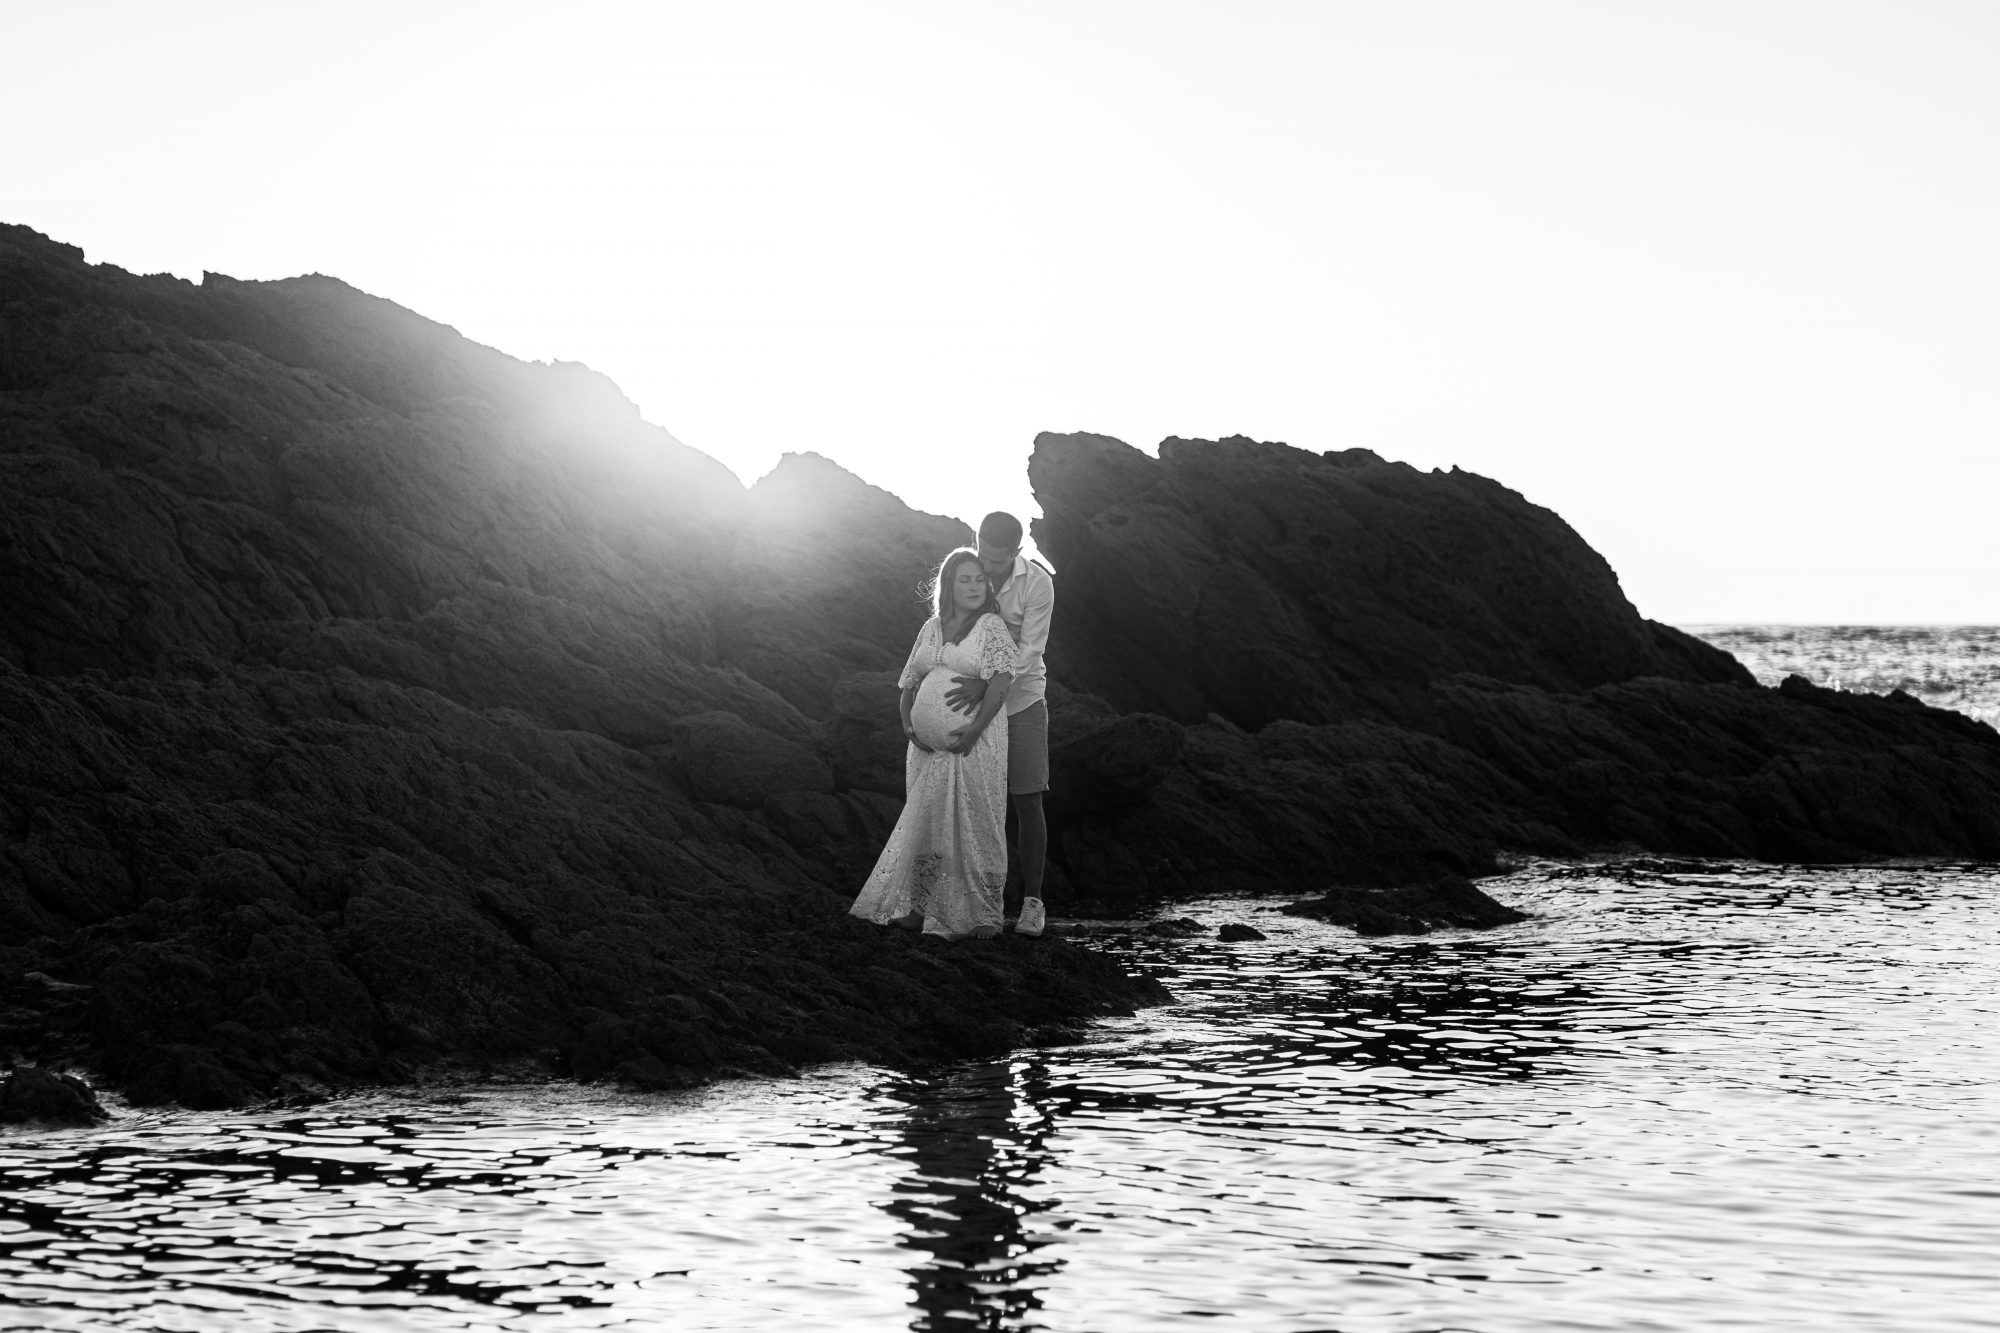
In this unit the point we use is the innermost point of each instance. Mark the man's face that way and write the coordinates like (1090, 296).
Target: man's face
(997, 561)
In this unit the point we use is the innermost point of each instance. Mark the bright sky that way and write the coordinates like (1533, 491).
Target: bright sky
(1718, 282)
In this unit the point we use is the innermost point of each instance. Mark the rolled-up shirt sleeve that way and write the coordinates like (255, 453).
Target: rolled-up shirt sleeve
(1038, 608)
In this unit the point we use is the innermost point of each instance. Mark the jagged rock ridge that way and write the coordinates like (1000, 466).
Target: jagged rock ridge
(1386, 675)
(1259, 581)
(369, 697)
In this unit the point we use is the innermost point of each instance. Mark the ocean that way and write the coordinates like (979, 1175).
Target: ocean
(1684, 1094)
(1947, 666)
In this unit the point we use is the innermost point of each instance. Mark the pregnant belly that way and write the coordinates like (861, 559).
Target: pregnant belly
(932, 720)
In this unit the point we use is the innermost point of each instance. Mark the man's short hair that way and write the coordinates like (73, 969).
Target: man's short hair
(1000, 530)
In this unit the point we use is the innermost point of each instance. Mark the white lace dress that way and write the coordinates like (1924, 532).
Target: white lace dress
(947, 856)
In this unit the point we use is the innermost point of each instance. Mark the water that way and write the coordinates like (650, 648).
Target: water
(1947, 666)
(1684, 1095)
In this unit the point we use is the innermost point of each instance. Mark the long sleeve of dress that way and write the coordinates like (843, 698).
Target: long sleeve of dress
(997, 653)
(923, 655)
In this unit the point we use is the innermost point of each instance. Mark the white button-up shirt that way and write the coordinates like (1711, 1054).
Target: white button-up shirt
(1027, 603)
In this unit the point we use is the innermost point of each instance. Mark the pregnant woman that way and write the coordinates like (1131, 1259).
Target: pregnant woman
(944, 870)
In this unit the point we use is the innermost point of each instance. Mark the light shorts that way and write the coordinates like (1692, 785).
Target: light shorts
(1028, 749)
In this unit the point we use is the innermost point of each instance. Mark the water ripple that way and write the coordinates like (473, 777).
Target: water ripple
(1685, 1094)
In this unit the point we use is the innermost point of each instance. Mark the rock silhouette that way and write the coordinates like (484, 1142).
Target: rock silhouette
(1258, 582)
(371, 702)
(1385, 676)
(374, 706)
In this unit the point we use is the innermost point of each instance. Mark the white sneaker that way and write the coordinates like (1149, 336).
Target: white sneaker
(1033, 918)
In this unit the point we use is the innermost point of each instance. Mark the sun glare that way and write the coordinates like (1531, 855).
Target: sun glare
(1715, 284)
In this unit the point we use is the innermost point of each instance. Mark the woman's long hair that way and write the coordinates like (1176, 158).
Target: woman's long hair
(940, 592)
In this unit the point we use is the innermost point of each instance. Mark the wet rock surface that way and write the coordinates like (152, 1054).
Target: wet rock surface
(1409, 909)
(30, 1094)
(374, 704)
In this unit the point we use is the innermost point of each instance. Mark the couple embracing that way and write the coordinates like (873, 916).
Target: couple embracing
(976, 716)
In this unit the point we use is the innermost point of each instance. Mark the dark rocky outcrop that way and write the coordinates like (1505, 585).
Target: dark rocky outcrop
(1411, 909)
(1100, 763)
(370, 699)
(1258, 582)
(372, 703)
(29, 1093)
(1386, 676)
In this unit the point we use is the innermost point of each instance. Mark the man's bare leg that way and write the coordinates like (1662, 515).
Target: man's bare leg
(1033, 831)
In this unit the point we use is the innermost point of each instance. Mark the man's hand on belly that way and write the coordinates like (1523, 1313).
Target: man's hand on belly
(965, 694)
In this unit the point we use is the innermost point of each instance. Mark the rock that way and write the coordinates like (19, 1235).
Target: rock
(28, 1093)
(1410, 909)
(1793, 773)
(652, 1073)
(1117, 763)
(1385, 676)
(296, 1092)
(826, 580)
(1235, 932)
(735, 762)
(1092, 911)
(863, 732)
(1258, 582)
(1288, 807)
(370, 699)
(1176, 928)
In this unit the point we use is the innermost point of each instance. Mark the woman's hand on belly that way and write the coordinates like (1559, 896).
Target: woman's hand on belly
(964, 738)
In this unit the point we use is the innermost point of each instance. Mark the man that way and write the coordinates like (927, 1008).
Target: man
(1026, 592)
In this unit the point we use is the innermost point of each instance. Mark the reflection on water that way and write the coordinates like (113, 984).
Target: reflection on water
(1685, 1095)
(969, 1208)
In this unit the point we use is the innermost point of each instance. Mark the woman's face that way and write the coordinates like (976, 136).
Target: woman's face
(968, 586)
